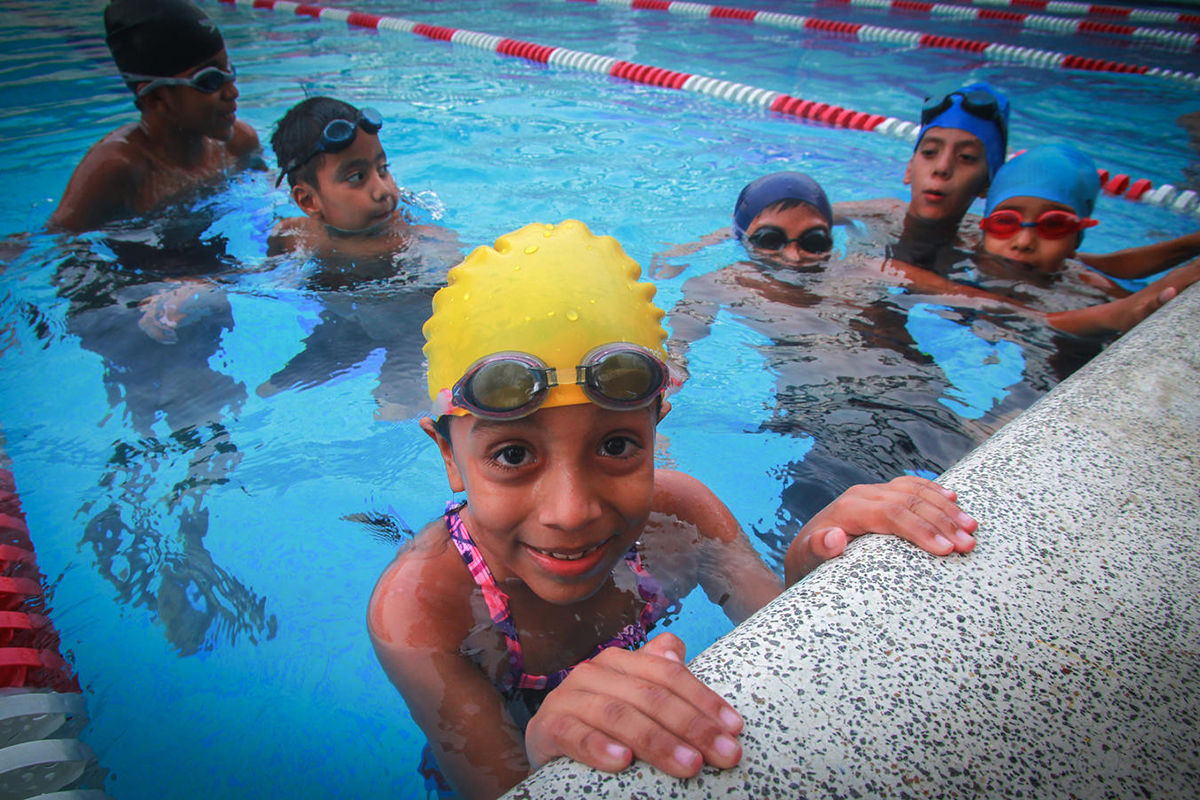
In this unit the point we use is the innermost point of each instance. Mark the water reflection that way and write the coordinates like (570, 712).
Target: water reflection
(373, 305)
(144, 300)
(874, 380)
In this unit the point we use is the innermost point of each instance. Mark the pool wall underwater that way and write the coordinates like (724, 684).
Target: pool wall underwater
(1061, 658)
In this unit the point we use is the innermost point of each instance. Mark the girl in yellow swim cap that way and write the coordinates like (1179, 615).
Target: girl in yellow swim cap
(511, 625)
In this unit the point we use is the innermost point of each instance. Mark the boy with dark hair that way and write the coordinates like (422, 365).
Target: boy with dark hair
(337, 171)
(373, 270)
(173, 58)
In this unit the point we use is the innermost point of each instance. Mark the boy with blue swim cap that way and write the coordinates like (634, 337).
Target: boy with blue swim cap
(173, 58)
(961, 144)
(1038, 207)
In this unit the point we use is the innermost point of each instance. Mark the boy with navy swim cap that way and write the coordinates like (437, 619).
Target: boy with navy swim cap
(784, 217)
(173, 59)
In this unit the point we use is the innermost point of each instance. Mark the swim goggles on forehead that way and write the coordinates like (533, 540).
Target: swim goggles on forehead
(208, 80)
(336, 137)
(976, 102)
(503, 386)
(1005, 224)
(770, 237)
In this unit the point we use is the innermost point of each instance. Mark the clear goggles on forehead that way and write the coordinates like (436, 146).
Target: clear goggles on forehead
(336, 137)
(208, 80)
(502, 386)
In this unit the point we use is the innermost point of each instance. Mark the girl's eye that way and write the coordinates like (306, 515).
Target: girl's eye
(383, 170)
(354, 177)
(513, 455)
(619, 447)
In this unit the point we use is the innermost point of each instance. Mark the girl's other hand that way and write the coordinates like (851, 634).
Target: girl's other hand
(642, 704)
(912, 508)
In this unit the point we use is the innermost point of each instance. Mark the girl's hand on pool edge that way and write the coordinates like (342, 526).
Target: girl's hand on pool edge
(915, 509)
(642, 704)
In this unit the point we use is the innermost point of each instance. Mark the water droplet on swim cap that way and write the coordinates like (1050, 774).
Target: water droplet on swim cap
(531, 249)
(488, 306)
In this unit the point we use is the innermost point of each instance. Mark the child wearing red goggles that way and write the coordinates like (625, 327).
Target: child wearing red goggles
(1038, 207)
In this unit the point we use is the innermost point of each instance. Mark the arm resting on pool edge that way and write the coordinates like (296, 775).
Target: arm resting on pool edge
(1144, 261)
(1120, 315)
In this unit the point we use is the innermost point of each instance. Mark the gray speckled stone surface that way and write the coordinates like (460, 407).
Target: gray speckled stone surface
(1060, 659)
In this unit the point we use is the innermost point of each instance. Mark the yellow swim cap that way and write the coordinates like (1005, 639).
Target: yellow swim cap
(552, 291)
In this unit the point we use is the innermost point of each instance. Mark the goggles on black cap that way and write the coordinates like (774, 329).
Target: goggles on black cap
(208, 80)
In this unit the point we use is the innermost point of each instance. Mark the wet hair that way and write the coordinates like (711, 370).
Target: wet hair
(299, 132)
(159, 37)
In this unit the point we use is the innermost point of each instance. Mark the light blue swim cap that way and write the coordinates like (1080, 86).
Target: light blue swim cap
(1055, 172)
(771, 189)
(977, 109)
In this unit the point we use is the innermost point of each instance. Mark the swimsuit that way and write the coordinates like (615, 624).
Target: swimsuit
(629, 638)
(519, 685)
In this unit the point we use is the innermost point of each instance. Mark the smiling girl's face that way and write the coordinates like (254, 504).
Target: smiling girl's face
(555, 498)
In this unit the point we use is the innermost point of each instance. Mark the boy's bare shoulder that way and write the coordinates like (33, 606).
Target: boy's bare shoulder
(244, 141)
(292, 234)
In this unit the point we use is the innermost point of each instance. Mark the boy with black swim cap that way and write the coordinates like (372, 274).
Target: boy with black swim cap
(173, 58)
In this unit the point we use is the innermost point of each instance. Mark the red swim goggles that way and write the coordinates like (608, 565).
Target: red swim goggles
(618, 376)
(1005, 224)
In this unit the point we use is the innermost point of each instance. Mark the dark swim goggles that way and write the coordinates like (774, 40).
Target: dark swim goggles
(208, 80)
(1005, 224)
(976, 102)
(337, 136)
(502, 386)
(769, 237)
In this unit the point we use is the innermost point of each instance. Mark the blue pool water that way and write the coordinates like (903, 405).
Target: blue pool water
(204, 546)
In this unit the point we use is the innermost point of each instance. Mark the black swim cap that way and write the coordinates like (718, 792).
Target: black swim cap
(159, 37)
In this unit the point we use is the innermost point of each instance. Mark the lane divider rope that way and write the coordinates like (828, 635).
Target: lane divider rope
(1093, 9)
(810, 110)
(1048, 59)
(1040, 22)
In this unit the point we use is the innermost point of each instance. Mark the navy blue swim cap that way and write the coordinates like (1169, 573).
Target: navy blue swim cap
(1055, 172)
(771, 189)
(977, 109)
(159, 37)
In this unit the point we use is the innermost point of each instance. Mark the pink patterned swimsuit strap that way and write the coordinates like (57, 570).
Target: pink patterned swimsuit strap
(631, 637)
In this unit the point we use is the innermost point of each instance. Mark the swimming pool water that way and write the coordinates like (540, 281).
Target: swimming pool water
(207, 562)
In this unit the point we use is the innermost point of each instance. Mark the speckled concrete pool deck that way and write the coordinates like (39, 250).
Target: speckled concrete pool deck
(1061, 658)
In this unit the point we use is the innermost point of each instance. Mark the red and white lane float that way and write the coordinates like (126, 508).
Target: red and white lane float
(873, 33)
(41, 708)
(1039, 22)
(811, 110)
(1161, 17)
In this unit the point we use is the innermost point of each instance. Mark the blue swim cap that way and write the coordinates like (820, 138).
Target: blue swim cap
(977, 109)
(771, 189)
(1055, 172)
